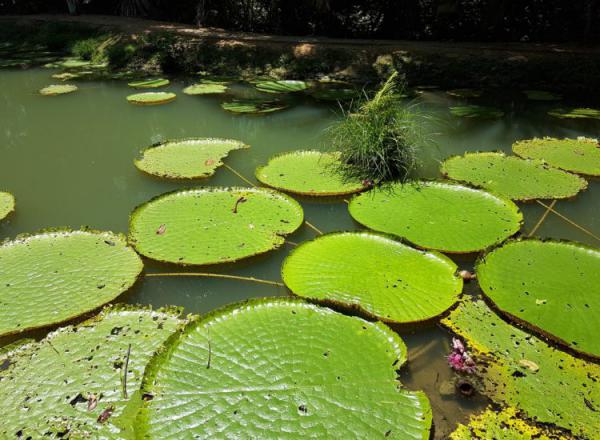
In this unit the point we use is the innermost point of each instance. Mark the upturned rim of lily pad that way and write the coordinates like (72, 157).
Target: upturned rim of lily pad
(154, 83)
(11, 206)
(58, 89)
(166, 97)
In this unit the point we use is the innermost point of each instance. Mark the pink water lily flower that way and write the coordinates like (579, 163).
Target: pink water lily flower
(459, 359)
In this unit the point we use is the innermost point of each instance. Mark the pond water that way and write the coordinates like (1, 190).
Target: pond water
(69, 162)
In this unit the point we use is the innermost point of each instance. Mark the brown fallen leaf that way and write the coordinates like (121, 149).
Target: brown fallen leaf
(529, 364)
(161, 230)
(104, 416)
(238, 201)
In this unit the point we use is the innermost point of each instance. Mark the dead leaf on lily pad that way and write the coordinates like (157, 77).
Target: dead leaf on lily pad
(529, 364)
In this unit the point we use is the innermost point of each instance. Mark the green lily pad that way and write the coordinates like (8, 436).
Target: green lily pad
(72, 63)
(52, 277)
(66, 76)
(580, 155)
(476, 112)
(50, 386)
(550, 287)
(562, 390)
(504, 425)
(464, 93)
(151, 98)
(513, 177)
(205, 88)
(149, 83)
(58, 89)
(575, 113)
(7, 204)
(309, 173)
(334, 91)
(186, 158)
(438, 215)
(280, 367)
(542, 95)
(380, 276)
(213, 225)
(252, 106)
(283, 86)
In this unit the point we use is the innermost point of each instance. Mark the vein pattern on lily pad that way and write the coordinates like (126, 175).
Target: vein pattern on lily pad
(186, 158)
(438, 215)
(282, 86)
(149, 83)
(309, 173)
(51, 277)
(213, 225)
(382, 277)
(551, 287)
(74, 378)
(7, 204)
(281, 368)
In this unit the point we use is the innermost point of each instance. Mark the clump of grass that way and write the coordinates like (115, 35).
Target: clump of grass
(378, 138)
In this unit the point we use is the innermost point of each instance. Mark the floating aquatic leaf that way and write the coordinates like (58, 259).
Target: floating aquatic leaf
(334, 91)
(52, 277)
(542, 95)
(513, 177)
(563, 392)
(306, 172)
(186, 158)
(7, 204)
(149, 83)
(281, 368)
(476, 112)
(205, 88)
(376, 274)
(209, 226)
(73, 63)
(575, 113)
(58, 89)
(504, 425)
(516, 275)
(464, 93)
(580, 155)
(283, 86)
(438, 215)
(253, 106)
(151, 98)
(73, 380)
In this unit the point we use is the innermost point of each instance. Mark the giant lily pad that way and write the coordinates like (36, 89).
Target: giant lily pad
(205, 89)
(521, 370)
(7, 204)
(151, 98)
(66, 382)
(213, 225)
(58, 89)
(149, 83)
(283, 86)
(575, 113)
(580, 155)
(551, 287)
(505, 425)
(513, 177)
(252, 106)
(438, 215)
(281, 368)
(186, 158)
(476, 112)
(306, 172)
(380, 276)
(51, 277)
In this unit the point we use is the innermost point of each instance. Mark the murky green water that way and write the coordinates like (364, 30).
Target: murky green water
(69, 162)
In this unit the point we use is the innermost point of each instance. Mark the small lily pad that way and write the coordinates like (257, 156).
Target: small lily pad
(283, 86)
(575, 113)
(280, 367)
(579, 155)
(73, 380)
(58, 89)
(52, 277)
(438, 215)
(464, 93)
(516, 275)
(205, 88)
(498, 349)
(513, 177)
(7, 204)
(253, 106)
(382, 277)
(151, 98)
(213, 225)
(149, 83)
(476, 112)
(309, 173)
(186, 158)
(542, 95)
